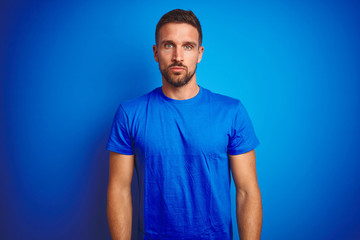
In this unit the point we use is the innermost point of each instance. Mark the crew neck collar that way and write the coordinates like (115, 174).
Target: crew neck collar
(186, 101)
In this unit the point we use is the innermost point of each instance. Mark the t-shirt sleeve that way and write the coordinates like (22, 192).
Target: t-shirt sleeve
(120, 140)
(242, 138)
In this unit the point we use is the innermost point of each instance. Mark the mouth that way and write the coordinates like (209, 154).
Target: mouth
(177, 69)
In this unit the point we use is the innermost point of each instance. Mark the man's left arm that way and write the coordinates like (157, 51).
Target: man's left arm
(248, 197)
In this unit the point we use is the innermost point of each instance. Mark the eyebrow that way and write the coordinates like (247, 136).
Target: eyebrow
(190, 43)
(167, 41)
(184, 43)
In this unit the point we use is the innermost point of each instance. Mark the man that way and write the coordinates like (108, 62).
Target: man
(182, 139)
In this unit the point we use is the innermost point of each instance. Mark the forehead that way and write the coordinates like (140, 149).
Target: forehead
(178, 32)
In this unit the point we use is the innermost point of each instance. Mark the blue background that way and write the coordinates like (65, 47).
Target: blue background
(66, 65)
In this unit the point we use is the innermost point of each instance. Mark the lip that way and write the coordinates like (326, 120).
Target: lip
(177, 69)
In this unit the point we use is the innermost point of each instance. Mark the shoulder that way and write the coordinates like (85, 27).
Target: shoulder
(136, 102)
(137, 105)
(222, 100)
(139, 102)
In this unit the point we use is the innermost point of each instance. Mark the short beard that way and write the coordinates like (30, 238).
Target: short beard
(177, 82)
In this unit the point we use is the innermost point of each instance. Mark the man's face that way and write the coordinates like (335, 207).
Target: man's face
(178, 52)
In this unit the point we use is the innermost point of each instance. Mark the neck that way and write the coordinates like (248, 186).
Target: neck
(190, 90)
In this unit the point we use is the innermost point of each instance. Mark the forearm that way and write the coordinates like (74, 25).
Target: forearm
(249, 214)
(119, 212)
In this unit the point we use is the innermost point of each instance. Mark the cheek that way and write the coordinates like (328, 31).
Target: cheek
(162, 62)
(163, 65)
(164, 58)
(193, 59)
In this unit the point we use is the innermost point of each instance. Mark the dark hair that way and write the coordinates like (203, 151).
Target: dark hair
(179, 16)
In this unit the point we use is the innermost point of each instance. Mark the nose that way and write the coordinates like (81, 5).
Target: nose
(178, 55)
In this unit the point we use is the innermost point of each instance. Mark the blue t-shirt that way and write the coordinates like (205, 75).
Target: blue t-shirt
(181, 152)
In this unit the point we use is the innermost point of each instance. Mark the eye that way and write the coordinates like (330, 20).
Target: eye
(168, 45)
(188, 47)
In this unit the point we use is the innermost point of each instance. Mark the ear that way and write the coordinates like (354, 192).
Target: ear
(200, 53)
(155, 50)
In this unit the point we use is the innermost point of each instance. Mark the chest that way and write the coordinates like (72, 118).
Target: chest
(172, 129)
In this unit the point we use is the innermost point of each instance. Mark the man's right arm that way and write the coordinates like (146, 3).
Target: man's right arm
(119, 205)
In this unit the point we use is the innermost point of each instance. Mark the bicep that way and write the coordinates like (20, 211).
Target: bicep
(243, 168)
(121, 169)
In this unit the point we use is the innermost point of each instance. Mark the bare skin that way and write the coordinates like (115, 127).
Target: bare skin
(248, 197)
(178, 43)
(119, 205)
